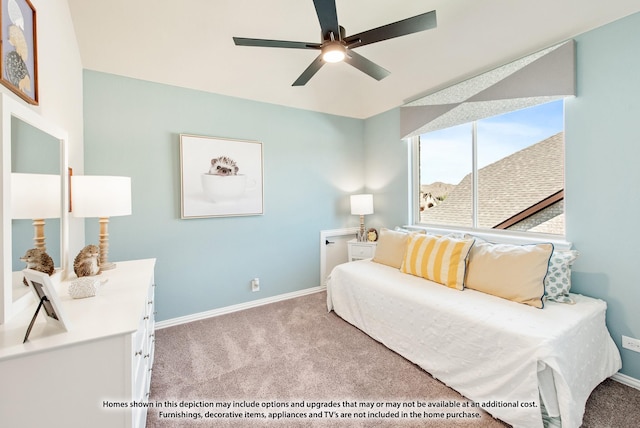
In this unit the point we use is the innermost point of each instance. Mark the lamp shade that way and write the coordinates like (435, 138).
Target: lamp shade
(35, 196)
(100, 196)
(361, 204)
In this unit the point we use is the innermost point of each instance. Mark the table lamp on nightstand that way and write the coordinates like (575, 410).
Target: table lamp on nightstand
(362, 205)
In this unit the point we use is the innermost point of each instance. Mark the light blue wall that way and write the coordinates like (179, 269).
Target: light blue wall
(312, 162)
(386, 170)
(602, 174)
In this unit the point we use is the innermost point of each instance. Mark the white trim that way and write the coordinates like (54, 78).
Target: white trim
(627, 380)
(414, 180)
(324, 236)
(474, 175)
(501, 236)
(235, 308)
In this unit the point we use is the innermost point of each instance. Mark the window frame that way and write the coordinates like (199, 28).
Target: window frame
(502, 235)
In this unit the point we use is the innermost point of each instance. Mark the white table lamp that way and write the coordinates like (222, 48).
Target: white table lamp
(362, 205)
(36, 197)
(102, 197)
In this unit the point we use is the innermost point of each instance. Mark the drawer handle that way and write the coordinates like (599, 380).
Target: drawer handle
(147, 356)
(150, 302)
(138, 353)
(146, 317)
(151, 335)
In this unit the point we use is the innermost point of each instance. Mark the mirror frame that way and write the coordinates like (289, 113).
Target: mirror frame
(11, 108)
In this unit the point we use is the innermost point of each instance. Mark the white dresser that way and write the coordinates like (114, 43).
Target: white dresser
(83, 377)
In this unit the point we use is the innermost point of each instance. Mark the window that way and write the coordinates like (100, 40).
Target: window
(503, 172)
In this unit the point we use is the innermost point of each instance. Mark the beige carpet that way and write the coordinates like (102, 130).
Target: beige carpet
(293, 353)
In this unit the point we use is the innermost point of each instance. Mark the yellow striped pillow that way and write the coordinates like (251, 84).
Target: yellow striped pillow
(437, 258)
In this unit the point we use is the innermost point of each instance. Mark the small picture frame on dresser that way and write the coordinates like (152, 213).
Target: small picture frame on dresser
(47, 298)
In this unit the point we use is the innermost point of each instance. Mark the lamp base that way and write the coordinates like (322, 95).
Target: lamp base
(105, 264)
(361, 236)
(38, 236)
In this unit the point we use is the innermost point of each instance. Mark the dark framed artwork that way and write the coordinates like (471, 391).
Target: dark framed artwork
(220, 177)
(18, 52)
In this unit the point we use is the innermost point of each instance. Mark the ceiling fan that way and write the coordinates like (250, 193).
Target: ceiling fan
(336, 47)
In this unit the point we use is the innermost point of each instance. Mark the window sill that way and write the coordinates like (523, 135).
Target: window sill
(502, 237)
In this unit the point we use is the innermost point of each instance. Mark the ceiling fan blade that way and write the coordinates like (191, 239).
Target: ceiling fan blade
(366, 66)
(242, 41)
(309, 72)
(411, 25)
(328, 17)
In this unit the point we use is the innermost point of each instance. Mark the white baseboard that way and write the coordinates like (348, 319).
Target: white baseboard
(235, 308)
(627, 380)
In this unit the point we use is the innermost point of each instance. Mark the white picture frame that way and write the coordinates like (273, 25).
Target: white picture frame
(236, 189)
(41, 285)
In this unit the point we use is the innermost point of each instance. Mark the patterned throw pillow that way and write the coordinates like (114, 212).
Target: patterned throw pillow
(557, 283)
(437, 258)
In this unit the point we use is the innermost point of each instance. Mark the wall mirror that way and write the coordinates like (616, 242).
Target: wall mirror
(34, 146)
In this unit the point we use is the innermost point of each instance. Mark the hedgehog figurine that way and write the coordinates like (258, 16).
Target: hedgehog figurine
(86, 262)
(39, 260)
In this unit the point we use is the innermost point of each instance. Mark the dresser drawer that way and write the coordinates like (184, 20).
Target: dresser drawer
(150, 332)
(143, 342)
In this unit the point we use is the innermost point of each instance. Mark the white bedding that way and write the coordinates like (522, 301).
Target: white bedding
(485, 347)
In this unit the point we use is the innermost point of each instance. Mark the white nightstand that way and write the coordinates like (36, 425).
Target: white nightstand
(360, 250)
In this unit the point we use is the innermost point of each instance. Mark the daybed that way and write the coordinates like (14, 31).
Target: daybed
(494, 351)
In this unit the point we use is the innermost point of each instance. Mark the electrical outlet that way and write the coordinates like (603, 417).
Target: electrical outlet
(631, 343)
(255, 284)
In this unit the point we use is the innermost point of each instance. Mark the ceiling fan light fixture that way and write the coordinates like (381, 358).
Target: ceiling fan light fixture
(333, 52)
(335, 46)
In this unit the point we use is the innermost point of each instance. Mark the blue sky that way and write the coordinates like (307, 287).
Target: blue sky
(445, 155)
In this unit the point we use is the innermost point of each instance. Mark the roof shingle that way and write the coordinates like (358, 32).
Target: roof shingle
(505, 187)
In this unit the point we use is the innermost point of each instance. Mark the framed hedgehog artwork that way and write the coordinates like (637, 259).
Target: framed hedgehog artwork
(220, 177)
(18, 53)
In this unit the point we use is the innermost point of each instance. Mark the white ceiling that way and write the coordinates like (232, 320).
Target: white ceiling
(188, 43)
